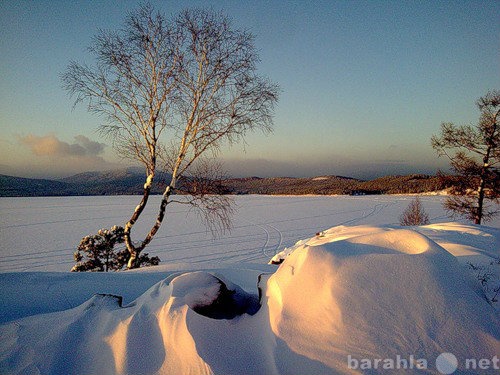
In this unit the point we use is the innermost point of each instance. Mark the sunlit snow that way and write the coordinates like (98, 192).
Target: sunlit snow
(353, 288)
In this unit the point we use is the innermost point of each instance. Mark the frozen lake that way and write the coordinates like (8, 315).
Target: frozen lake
(41, 234)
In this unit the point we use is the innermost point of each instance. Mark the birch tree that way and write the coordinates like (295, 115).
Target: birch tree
(172, 91)
(474, 152)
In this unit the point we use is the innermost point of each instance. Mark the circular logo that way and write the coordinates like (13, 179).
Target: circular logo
(446, 363)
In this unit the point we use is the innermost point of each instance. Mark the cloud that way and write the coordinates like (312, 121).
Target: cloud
(50, 145)
(48, 156)
(92, 147)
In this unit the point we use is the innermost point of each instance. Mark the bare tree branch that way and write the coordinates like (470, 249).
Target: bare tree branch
(190, 79)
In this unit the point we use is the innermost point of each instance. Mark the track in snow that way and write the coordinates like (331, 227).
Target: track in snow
(41, 234)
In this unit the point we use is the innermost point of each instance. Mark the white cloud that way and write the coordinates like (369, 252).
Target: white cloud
(50, 157)
(50, 145)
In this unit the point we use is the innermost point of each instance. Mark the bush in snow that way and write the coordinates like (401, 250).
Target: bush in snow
(414, 214)
(486, 276)
(96, 253)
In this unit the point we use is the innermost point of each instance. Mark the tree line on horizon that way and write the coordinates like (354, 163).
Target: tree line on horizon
(131, 184)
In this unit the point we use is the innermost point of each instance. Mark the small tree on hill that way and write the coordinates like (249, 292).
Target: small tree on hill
(414, 214)
(474, 152)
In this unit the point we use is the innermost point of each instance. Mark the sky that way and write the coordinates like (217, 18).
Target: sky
(365, 84)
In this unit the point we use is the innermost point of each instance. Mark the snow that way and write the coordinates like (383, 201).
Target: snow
(41, 234)
(376, 296)
(363, 290)
(469, 243)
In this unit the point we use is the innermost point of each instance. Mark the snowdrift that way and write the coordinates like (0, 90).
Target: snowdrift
(348, 296)
(373, 293)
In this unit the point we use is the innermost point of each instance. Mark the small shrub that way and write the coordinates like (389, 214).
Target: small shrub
(484, 275)
(96, 253)
(414, 214)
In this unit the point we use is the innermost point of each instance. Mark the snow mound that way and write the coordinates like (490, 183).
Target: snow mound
(474, 242)
(347, 294)
(380, 295)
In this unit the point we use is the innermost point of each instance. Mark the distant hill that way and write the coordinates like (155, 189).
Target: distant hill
(330, 185)
(120, 182)
(31, 187)
(414, 183)
(324, 185)
(130, 181)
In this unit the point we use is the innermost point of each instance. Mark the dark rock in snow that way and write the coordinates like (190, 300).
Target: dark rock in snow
(210, 296)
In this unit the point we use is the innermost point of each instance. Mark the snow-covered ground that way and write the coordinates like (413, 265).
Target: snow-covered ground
(363, 296)
(41, 234)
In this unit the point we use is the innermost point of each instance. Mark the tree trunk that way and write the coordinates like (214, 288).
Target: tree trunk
(134, 251)
(159, 218)
(490, 142)
(479, 213)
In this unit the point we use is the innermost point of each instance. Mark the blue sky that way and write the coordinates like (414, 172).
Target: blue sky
(365, 84)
